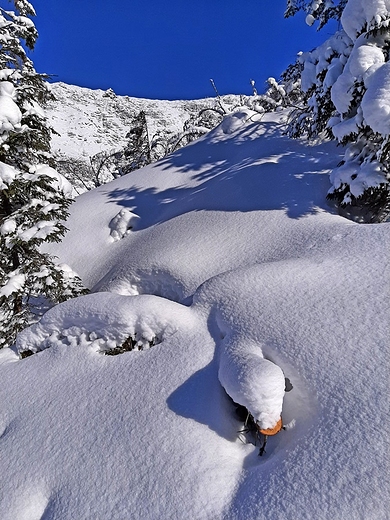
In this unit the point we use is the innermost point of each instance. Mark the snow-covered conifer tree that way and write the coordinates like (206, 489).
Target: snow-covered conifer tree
(321, 10)
(34, 199)
(346, 82)
(137, 151)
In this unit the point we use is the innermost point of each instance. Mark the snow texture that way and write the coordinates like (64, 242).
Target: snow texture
(269, 283)
(362, 14)
(123, 223)
(7, 175)
(59, 182)
(10, 115)
(376, 101)
(88, 121)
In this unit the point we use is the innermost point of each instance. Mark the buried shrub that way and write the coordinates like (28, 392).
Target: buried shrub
(132, 343)
(129, 344)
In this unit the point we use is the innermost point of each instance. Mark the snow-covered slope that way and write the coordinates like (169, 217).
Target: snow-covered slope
(91, 121)
(234, 263)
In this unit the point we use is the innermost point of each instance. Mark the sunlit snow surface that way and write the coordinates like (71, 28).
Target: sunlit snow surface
(235, 255)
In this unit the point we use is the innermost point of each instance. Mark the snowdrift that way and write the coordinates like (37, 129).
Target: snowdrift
(236, 264)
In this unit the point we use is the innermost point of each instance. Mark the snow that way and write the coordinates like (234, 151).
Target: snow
(7, 175)
(105, 320)
(342, 91)
(10, 115)
(14, 283)
(40, 230)
(358, 14)
(331, 57)
(344, 128)
(363, 176)
(254, 382)
(362, 63)
(59, 182)
(310, 19)
(245, 275)
(363, 57)
(8, 226)
(376, 101)
(352, 66)
(122, 223)
(230, 124)
(93, 121)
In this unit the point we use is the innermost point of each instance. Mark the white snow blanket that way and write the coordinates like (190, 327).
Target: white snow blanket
(245, 276)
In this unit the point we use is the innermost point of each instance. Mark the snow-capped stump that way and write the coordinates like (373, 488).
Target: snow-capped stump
(122, 223)
(272, 431)
(255, 383)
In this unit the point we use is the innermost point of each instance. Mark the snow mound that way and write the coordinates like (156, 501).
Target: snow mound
(143, 281)
(236, 120)
(104, 321)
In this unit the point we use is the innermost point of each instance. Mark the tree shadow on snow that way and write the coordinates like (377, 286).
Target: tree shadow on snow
(247, 173)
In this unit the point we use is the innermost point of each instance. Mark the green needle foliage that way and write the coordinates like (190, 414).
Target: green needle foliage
(33, 199)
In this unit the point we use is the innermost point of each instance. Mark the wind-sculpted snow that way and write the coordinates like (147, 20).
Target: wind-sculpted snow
(264, 274)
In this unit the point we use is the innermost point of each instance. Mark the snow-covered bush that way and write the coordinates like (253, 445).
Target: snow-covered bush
(346, 82)
(200, 124)
(277, 95)
(34, 198)
(105, 322)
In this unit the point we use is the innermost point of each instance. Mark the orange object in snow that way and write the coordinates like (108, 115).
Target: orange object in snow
(273, 431)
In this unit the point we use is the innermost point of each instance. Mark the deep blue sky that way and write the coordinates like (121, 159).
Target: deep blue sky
(168, 49)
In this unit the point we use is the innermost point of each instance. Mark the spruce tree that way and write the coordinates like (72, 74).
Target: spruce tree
(321, 10)
(137, 151)
(346, 83)
(33, 198)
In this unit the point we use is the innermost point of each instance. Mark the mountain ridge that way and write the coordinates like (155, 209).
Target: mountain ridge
(88, 121)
